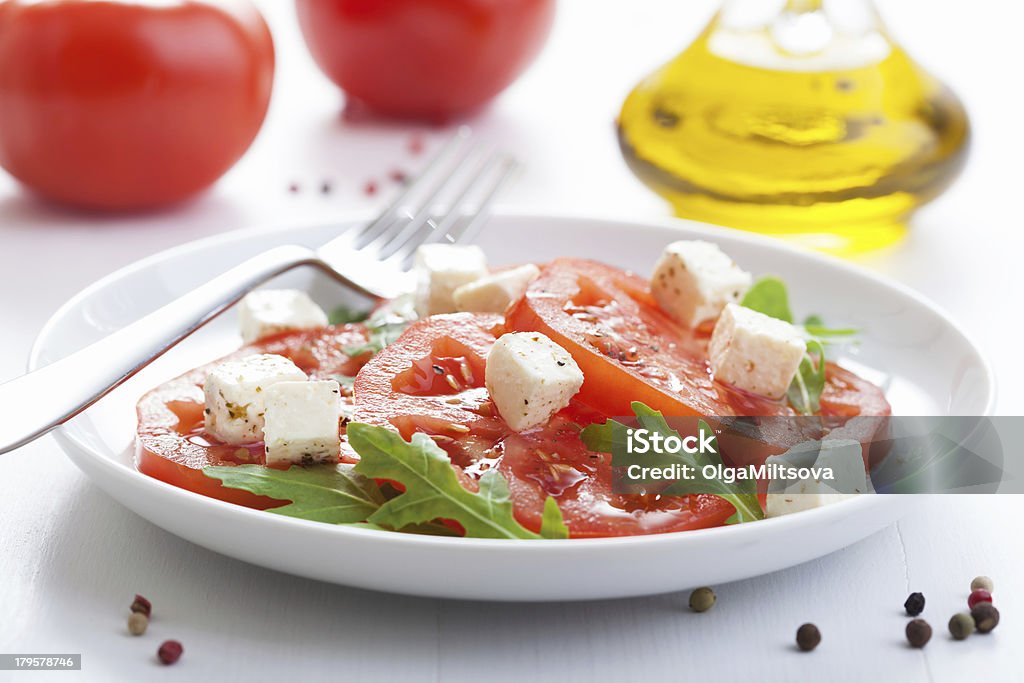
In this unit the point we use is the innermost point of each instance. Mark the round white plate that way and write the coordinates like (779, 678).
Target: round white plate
(924, 361)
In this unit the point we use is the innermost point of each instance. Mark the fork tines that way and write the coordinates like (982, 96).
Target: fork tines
(447, 201)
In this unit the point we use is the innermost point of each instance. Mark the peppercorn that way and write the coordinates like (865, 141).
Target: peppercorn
(137, 623)
(977, 596)
(702, 599)
(918, 632)
(983, 583)
(142, 605)
(986, 616)
(170, 651)
(914, 604)
(807, 637)
(961, 625)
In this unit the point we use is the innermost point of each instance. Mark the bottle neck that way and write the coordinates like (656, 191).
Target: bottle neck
(801, 35)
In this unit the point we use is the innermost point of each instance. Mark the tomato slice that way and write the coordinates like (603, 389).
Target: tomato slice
(172, 445)
(431, 380)
(630, 351)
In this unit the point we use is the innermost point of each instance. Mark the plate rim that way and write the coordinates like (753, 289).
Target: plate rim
(735, 532)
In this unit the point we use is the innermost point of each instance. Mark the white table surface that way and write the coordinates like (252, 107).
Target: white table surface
(71, 559)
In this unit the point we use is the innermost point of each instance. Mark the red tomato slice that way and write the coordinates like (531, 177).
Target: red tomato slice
(630, 351)
(431, 380)
(172, 444)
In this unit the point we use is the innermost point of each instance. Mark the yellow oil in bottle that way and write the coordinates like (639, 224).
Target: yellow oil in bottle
(836, 158)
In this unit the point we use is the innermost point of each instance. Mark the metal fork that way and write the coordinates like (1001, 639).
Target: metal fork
(374, 259)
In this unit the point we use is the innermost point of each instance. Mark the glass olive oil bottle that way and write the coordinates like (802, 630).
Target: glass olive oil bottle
(801, 119)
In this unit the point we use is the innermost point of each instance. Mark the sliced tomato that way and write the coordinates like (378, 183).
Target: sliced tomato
(630, 351)
(431, 380)
(172, 445)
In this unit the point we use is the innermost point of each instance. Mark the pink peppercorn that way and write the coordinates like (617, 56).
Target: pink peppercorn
(416, 144)
(170, 651)
(979, 595)
(142, 605)
(370, 188)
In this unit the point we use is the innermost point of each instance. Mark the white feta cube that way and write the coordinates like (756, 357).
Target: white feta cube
(440, 270)
(530, 378)
(804, 495)
(494, 293)
(302, 422)
(755, 352)
(694, 280)
(835, 472)
(235, 393)
(271, 311)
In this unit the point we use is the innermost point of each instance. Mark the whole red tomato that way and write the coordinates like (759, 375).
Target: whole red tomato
(123, 105)
(424, 58)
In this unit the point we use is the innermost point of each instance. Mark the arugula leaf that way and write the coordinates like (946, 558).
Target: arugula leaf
(742, 493)
(805, 390)
(432, 491)
(815, 327)
(384, 326)
(335, 494)
(769, 296)
(346, 314)
(551, 524)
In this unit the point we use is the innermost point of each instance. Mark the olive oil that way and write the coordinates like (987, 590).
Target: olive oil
(833, 147)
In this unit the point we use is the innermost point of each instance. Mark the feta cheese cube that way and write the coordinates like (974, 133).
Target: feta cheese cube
(302, 422)
(440, 270)
(694, 280)
(530, 378)
(494, 293)
(803, 495)
(755, 352)
(270, 311)
(235, 392)
(842, 459)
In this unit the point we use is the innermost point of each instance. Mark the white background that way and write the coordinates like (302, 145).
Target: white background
(71, 559)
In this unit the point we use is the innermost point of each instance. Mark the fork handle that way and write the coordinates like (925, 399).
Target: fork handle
(50, 396)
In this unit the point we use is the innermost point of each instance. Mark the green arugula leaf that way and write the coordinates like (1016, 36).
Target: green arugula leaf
(552, 525)
(769, 296)
(345, 314)
(815, 327)
(384, 326)
(610, 437)
(335, 494)
(805, 390)
(432, 491)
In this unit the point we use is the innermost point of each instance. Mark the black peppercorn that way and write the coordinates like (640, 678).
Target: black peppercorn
(914, 604)
(918, 632)
(807, 637)
(986, 616)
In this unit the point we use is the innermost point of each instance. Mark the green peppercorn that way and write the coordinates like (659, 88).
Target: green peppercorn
(986, 616)
(137, 623)
(961, 625)
(702, 599)
(981, 583)
(918, 632)
(807, 637)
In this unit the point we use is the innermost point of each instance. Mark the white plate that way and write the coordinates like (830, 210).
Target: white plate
(925, 362)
